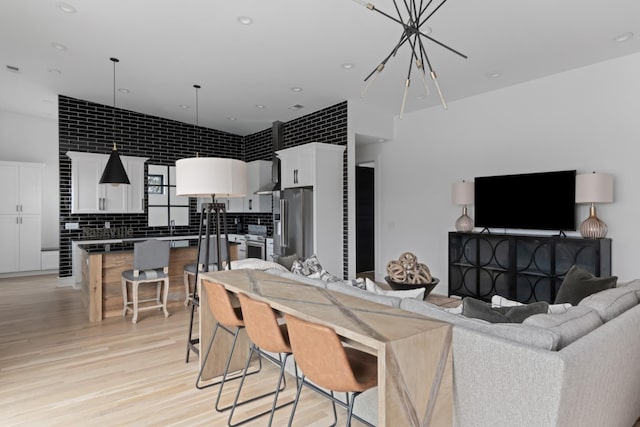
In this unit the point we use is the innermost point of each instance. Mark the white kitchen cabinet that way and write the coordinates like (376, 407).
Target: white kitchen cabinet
(303, 165)
(89, 196)
(20, 216)
(258, 178)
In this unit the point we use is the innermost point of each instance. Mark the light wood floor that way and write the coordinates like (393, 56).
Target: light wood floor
(58, 369)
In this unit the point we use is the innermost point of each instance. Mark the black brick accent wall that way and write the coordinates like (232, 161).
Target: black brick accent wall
(89, 127)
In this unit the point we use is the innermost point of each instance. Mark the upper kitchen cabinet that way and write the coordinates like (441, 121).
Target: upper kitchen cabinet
(304, 165)
(89, 196)
(258, 178)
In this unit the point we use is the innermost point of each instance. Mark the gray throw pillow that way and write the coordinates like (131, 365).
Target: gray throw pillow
(579, 284)
(287, 261)
(475, 308)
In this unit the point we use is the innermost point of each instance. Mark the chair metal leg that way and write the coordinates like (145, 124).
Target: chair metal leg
(187, 290)
(227, 364)
(191, 342)
(295, 401)
(274, 406)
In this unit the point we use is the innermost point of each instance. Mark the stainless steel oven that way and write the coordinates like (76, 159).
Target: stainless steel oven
(256, 246)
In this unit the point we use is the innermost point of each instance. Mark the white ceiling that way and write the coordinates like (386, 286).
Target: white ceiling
(165, 47)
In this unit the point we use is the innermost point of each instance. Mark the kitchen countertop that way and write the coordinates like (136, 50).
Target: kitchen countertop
(126, 245)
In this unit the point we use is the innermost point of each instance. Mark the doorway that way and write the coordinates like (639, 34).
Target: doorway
(365, 220)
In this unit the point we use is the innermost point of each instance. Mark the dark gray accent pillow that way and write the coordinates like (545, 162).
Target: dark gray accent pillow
(475, 308)
(579, 284)
(287, 261)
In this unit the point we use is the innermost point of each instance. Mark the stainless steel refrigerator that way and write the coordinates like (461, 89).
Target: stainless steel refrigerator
(293, 222)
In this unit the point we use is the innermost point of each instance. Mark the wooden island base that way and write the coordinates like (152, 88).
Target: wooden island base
(101, 286)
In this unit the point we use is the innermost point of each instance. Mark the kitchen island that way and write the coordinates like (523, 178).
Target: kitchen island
(102, 264)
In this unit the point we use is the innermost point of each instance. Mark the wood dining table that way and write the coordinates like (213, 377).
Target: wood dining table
(415, 379)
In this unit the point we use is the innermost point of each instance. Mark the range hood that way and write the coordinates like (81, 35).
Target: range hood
(277, 133)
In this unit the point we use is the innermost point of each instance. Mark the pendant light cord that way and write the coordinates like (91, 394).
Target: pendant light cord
(113, 130)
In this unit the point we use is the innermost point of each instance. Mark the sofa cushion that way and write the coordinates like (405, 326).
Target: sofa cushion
(286, 261)
(526, 335)
(570, 325)
(634, 284)
(307, 266)
(500, 301)
(409, 293)
(611, 302)
(472, 307)
(579, 284)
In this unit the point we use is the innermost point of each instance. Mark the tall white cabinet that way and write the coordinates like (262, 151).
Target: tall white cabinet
(319, 166)
(20, 216)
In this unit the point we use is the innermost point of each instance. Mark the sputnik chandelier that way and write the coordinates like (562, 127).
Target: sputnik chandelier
(412, 33)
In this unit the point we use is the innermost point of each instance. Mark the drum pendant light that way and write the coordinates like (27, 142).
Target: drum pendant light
(114, 173)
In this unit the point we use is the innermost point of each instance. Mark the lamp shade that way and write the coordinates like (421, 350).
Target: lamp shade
(205, 176)
(594, 188)
(462, 193)
(114, 172)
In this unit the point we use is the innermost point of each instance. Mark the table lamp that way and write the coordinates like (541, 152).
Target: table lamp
(462, 194)
(594, 188)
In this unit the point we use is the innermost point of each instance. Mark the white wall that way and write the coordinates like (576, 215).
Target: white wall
(33, 139)
(585, 119)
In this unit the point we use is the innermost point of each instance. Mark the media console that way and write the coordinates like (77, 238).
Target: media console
(520, 267)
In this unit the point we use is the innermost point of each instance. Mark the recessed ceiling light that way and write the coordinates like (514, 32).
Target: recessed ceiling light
(420, 97)
(296, 107)
(296, 89)
(58, 46)
(259, 106)
(381, 140)
(47, 101)
(184, 106)
(623, 37)
(13, 69)
(124, 90)
(347, 65)
(426, 29)
(233, 119)
(54, 71)
(66, 8)
(494, 74)
(245, 20)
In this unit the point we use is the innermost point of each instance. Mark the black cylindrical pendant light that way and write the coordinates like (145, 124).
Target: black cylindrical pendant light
(114, 173)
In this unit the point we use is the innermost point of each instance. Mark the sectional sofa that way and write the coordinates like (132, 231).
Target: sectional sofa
(580, 367)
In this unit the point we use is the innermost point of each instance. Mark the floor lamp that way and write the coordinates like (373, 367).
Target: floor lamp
(210, 177)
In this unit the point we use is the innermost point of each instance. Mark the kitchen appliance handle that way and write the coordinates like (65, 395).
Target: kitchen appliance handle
(284, 234)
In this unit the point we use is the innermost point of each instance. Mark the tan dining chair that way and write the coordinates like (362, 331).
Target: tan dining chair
(267, 336)
(323, 359)
(230, 320)
(150, 265)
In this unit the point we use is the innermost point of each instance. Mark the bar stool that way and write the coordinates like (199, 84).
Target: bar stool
(266, 335)
(229, 319)
(190, 270)
(325, 361)
(150, 265)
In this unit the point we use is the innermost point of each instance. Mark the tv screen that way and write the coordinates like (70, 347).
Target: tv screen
(535, 201)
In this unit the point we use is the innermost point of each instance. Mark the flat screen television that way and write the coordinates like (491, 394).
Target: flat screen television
(533, 201)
